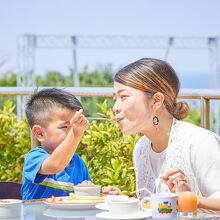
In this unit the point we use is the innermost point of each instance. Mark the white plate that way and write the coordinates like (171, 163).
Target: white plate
(102, 206)
(108, 215)
(58, 213)
(71, 204)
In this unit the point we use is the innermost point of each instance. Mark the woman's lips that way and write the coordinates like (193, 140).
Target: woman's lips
(119, 120)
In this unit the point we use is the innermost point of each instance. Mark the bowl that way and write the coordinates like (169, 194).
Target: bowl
(10, 208)
(87, 190)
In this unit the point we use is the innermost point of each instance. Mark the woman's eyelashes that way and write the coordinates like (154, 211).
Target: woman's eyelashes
(124, 97)
(121, 97)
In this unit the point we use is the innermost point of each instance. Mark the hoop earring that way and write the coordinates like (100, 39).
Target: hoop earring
(156, 122)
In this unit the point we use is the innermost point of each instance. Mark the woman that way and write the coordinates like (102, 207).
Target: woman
(171, 151)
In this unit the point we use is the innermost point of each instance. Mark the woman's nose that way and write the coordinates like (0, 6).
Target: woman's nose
(116, 108)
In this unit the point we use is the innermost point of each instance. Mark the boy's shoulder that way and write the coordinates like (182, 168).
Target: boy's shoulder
(76, 157)
(36, 150)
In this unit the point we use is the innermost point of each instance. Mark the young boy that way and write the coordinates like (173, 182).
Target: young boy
(57, 121)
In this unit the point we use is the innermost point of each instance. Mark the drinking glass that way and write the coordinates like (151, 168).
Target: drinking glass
(187, 198)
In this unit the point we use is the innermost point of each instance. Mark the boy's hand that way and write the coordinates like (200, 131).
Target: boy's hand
(79, 123)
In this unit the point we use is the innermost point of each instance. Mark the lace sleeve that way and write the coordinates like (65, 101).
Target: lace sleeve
(144, 177)
(205, 154)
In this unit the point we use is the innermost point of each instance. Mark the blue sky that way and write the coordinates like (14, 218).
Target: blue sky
(120, 17)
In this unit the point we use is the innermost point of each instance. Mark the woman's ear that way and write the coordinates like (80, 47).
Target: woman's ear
(158, 100)
(38, 132)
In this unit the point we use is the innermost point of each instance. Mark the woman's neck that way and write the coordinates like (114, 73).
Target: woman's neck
(160, 137)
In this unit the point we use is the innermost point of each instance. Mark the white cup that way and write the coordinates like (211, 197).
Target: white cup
(163, 205)
(124, 207)
(10, 208)
(115, 197)
(87, 190)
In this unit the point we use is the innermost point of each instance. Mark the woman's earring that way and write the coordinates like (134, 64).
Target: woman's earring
(156, 122)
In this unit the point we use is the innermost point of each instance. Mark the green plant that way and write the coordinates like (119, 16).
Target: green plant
(14, 143)
(7, 79)
(194, 117)
(108, 154)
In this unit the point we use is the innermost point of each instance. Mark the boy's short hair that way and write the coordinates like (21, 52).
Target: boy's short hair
(41, 103)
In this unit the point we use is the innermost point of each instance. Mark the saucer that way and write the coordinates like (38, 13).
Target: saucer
(138, 216)
(102, 206)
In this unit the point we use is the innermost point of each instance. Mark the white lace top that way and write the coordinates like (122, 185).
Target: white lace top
(193, 149)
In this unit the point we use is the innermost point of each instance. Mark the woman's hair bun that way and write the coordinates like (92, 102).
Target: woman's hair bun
(181, 110)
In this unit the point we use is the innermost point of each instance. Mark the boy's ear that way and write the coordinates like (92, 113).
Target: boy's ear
(38, 132)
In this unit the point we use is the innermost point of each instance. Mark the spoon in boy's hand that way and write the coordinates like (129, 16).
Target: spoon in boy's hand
(101, 119)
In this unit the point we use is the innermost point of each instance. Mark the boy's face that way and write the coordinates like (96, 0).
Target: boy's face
(57, 128)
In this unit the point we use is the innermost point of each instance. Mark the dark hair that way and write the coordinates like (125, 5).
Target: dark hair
(153, 75)
(41, 103)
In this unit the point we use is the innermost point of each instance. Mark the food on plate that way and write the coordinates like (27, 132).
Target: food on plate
(74, 196)
(64, 199)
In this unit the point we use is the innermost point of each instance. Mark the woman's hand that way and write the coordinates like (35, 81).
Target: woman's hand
(176, 180)
(111, 190)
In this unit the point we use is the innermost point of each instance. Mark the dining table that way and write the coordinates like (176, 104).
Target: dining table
(38, 210)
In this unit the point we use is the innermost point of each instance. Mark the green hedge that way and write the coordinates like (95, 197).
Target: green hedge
(14, 143)
(107, 153)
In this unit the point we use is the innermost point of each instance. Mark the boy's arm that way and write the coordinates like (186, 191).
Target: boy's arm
(62, 155)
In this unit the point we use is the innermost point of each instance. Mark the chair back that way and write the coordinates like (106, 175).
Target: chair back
(10, 190)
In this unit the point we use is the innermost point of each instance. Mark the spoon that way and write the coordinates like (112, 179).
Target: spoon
(100, 119)
(142, 189)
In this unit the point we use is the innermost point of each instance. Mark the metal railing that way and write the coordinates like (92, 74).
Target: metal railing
(205, 96)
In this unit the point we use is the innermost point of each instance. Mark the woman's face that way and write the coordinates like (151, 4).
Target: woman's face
(132, 109)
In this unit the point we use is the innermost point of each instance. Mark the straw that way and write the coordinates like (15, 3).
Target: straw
(142, 189)
(176, 185)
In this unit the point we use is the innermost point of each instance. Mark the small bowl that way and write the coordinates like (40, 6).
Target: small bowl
(10, 208)
(87, 190)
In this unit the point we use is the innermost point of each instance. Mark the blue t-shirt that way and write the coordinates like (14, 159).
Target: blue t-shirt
(36, 186)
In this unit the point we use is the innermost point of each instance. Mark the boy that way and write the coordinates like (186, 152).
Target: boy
(57, 121)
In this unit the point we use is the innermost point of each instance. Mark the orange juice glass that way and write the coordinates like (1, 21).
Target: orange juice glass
(187, 204)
